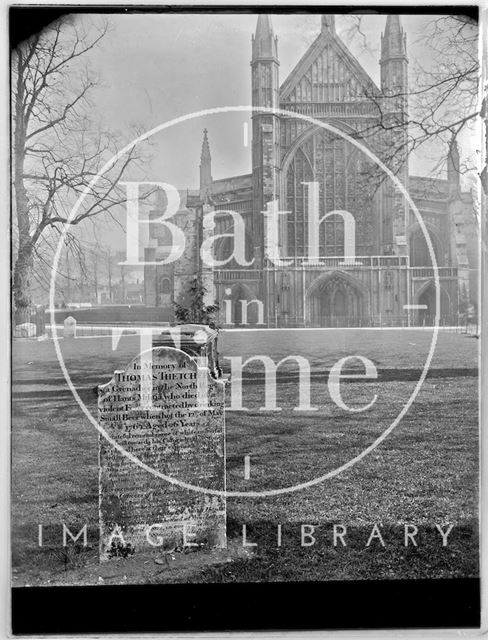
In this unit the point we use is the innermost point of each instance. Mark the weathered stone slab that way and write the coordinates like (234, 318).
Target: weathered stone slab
(25, 330)
(154, 412)
(69, 327)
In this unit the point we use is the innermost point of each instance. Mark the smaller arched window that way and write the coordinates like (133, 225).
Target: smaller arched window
(419, 251)
(165, 286)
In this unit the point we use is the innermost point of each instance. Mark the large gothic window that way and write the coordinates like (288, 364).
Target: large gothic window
(345, 184)
(299, 171)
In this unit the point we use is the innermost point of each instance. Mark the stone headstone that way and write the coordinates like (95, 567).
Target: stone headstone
(25, 330)
(198, 340)
(69, 327)
(155, 412)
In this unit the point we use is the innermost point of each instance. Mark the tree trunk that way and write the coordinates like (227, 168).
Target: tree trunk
(110, 297)
(24, 262)
(22, 283)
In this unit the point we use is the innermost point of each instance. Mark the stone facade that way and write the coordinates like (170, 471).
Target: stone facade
(392, 269)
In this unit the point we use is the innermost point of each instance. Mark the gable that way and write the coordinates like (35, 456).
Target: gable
(328, 72)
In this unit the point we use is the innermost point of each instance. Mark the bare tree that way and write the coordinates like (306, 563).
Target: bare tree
(442, 95)
(57, 147)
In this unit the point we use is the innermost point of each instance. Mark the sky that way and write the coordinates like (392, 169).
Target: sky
(156, 67)
(153, 68)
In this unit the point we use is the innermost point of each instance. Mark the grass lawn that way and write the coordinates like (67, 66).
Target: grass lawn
(424, 473)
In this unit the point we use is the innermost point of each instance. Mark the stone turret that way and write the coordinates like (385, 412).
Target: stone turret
(453, 170)
(394, 116)
(394, 66)
(264, 43)
(205, 169)
(265, 127)
(328, 23)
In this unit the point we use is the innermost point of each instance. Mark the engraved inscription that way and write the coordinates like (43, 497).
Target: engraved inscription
(176, 437)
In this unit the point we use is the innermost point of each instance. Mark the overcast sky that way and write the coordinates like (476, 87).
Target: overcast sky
(156, 67)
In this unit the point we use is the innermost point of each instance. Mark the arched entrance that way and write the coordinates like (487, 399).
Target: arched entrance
(426, 298)
(335, 300)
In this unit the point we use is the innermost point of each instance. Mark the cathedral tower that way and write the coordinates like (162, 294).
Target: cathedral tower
(458, 218)
(394, 108)
(453, 170)
(265, 127)
(394, 66)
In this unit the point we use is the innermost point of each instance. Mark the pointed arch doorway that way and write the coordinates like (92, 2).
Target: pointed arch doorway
(426, 298)
(335, 300)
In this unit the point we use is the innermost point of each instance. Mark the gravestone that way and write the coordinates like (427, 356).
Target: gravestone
(165, 415)
(25, 330)
(198, 340)
(69, 327)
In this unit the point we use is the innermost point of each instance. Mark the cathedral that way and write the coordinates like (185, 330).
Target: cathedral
(352, 252)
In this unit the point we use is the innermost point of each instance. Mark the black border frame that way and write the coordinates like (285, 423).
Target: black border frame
(25, 20)
(368, 604)
(345, 605)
